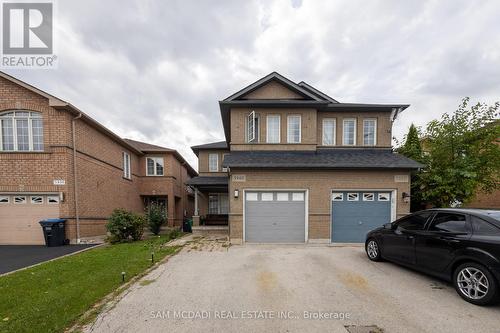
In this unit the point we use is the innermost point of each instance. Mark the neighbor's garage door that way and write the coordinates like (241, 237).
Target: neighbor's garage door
(20, 214)
(355, 213)
(275, 217)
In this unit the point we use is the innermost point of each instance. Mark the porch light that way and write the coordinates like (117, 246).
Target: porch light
(406, 197)
(236, 193)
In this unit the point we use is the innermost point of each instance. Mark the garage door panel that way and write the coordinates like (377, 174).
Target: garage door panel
(352, 220)
(274, 221)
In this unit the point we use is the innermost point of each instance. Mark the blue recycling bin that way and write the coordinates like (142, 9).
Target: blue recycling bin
(54, 232)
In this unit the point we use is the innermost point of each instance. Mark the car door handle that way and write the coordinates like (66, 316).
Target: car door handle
(449, 240)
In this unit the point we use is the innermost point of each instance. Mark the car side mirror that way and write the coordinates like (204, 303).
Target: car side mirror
(388, 226)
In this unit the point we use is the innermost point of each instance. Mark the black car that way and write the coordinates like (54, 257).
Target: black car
(459, 245)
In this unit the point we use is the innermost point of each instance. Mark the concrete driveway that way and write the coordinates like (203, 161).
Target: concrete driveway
(13, 257)
(290, 289)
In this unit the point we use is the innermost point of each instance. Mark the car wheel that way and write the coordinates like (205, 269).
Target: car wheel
(373, 250)
(475, 284)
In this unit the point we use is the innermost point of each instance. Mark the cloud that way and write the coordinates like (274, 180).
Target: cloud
(154, 70)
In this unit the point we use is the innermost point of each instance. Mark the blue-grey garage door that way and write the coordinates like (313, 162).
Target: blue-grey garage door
(275, 217)
(355, 213)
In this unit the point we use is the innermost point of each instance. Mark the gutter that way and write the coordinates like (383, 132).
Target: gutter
(75, 179)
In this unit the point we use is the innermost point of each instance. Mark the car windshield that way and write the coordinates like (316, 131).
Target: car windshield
(494, 214)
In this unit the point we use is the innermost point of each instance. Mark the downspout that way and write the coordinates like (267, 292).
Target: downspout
(75, 179)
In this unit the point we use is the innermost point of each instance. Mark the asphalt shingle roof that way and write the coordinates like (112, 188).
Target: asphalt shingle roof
(205, 180)
(321, 159)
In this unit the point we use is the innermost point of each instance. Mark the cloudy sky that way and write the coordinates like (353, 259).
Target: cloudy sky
(154, 70)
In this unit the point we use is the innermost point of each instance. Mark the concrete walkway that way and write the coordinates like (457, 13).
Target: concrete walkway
(252, 288)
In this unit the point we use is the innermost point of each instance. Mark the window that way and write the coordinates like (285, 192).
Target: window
(352, 196)
(252, 127)
(267, 197)
(370, 132)
(213, 162)
(449, 222)
(273, 132)
(52, 199)
(21, 131)
(126, 165)
(338, 196)
(37, 200)
(329, 131)
(414, 222)
(218, 204)
(252, 196)
(4, 199)
(299, 196)
(154, 166)
(19, 200)
(384, 196)
(482, 228)
(282, 196)
(349, 136)
(224, 169)
(368, 197)
(293, 129)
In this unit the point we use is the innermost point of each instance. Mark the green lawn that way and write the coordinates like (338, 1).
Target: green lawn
(52, 296)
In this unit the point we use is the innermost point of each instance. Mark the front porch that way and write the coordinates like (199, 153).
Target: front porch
(211, 204)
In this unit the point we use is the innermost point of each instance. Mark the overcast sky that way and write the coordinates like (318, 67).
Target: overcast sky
(155, 70)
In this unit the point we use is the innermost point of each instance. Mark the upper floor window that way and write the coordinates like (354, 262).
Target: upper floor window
(213, 162)
(224, 169)
(21, 131)
(349, 135)
(252, 127)
(154, 166)
(370, 132)
(273, 129)
(329, 131)
(126, 165)
(293, 129)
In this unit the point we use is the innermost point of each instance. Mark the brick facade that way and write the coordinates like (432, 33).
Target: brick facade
(100, 182)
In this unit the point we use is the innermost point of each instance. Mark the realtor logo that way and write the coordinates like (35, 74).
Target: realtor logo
(27, 35)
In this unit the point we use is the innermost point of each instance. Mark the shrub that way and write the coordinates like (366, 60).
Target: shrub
(124, 225)
(174, 234)
(156, 216)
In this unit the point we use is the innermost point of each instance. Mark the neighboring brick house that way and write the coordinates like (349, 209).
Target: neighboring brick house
(37, 169)
(299, 166)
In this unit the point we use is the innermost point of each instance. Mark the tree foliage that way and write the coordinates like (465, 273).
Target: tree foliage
(156, 216)
(461, 154)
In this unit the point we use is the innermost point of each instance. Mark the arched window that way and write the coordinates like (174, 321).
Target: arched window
(21, 131)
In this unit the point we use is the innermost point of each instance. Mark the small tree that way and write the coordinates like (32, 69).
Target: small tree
(463, 155)
(156, 216)
(412, 148)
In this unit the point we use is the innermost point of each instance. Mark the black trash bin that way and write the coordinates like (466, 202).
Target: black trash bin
(187, 225)
(53, 232)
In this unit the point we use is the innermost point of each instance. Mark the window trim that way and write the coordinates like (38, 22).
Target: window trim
(5, 197)
(343, 131)
(365, 194)
(216, 162)
(334, 131)
(36, 203)
(51, 197)
(275, 116)
(155, 171)
(374, 132)
(223, 168)
(20, 203)
(250, 120)
(14, 118)
(352, 194)
(127, 170)
(288, 128)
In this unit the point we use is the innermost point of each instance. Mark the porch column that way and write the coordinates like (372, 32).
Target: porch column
(196, 216)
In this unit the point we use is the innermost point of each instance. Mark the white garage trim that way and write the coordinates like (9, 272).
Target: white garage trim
(306, 202)
(394, 201)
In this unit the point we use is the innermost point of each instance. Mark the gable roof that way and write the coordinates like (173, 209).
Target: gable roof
(149, 148)
(340, 158)
(209, 146)
(274, 76)
(316, 92)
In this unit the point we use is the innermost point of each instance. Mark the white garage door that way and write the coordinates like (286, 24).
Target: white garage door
(20, 214)
(275, 217)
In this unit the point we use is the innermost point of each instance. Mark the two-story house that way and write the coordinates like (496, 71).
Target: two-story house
(298, 166)
(57, 162)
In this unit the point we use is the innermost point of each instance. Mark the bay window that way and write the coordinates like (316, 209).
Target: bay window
(273, 129)
(329, 131)
(154, 166)
(293, 129)
(370, 132)
(21, 131)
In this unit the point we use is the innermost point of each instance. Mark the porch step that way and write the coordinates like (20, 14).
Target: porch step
(203, 230)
